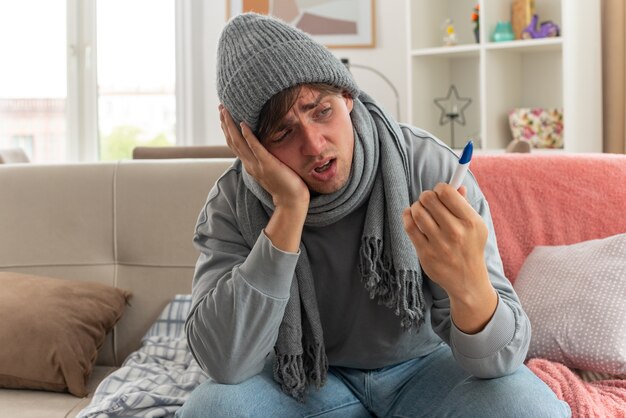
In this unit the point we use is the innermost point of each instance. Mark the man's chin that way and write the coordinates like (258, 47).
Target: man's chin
(332, 185)
(326, 188)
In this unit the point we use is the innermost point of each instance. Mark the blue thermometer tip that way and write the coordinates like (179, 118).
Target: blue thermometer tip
(467, 153)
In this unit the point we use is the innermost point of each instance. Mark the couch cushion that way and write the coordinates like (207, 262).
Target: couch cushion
(56, 215)
(51, 330)
(39, 404)
(151, 287)
(156, 208)
(157, 204)
(575, 296)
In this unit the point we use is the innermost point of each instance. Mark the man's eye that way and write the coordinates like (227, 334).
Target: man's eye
(282, 136)
(325, 111)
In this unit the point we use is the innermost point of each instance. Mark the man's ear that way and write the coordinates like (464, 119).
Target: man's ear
(348, 99)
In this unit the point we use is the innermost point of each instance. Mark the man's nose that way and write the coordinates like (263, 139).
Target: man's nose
(313, 140)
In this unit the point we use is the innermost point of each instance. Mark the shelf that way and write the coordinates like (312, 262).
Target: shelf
(533, 45)
(452, 51)
(563, 72)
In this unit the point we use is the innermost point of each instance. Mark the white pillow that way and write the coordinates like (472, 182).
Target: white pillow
(575, 297)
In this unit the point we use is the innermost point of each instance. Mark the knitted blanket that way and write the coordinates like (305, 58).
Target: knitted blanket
(603, 398)
(545, 199)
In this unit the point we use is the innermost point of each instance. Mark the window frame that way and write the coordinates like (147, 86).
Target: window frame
(82, 142)
(82, 82)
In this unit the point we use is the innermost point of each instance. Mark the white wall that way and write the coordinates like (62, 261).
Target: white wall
(388, 57)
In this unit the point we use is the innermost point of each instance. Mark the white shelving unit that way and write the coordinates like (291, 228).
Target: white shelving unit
(563, 72)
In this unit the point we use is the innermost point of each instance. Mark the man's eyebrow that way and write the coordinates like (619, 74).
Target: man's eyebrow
(309, 106)
(286, 122)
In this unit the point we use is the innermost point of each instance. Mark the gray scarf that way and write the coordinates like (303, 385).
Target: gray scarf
(388, 263)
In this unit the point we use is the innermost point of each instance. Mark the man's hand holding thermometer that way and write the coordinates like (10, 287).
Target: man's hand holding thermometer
(464, 162)
(449, 237)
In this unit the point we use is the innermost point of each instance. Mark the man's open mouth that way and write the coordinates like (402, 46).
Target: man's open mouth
(324, 167)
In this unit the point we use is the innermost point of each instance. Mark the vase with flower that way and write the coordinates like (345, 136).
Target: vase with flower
(476, 20)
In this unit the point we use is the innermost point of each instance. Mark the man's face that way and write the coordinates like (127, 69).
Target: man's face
(316, 140)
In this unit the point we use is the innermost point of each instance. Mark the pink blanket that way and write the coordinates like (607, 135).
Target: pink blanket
(551, 199)
(604, 398)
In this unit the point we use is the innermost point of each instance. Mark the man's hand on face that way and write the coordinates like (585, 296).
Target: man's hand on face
(287, 189)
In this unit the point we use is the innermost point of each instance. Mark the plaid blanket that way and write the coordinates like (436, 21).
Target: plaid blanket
(155, 380)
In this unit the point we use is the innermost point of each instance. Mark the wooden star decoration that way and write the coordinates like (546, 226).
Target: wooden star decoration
(452, 108)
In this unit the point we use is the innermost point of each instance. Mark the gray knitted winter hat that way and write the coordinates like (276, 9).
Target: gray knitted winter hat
(259, 56)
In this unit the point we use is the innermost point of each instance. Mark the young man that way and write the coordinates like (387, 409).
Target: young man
(339, 275)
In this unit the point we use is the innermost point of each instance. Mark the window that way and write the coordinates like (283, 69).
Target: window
(24, 142)
(87, 79)
(90, 79)
(136, 75)
(33, 74)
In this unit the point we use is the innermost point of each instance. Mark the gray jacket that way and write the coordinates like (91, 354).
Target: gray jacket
(240, 293)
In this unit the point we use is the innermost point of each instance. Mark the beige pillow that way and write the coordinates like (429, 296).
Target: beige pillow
(51, 330)
(575, 298)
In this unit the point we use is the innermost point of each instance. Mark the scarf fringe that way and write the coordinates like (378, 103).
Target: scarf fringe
(398, 290)
(316, 363)
(289, 372)
(292, 370)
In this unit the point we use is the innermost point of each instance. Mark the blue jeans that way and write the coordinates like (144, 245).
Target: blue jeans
(429, 386)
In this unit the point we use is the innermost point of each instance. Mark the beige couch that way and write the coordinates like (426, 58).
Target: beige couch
(130, 225)
(127, 224)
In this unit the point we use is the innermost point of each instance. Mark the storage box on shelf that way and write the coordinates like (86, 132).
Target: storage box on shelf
(559, 72)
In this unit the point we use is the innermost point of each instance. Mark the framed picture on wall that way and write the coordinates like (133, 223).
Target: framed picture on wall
(334, 23)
